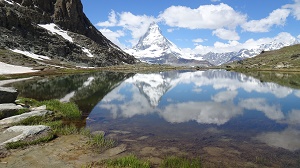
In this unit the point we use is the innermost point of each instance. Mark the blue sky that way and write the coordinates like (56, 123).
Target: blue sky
(197, 26)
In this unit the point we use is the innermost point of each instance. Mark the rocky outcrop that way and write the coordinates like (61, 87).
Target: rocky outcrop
(8, 95)
(9, 109)
(19, 29)
(18, 118)
(22, 133)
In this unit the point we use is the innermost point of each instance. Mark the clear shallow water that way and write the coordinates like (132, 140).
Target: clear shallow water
(222, 117)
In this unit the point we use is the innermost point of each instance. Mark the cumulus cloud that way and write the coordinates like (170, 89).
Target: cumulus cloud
(234, 46)
(198, 40)
(136, 24)
(273, 112)
(295, 8)
(225, 96)
(226, 34)
(277, 17)
(203, 17)
(113, 36)
(294, 117)
(202, 112)
(112, 20)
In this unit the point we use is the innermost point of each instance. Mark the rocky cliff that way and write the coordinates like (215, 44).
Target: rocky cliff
(57, 29)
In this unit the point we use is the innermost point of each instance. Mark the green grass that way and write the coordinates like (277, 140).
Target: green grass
(68, 110)
(180, 162)
(130, 161)
(22, 144)
(99, 142)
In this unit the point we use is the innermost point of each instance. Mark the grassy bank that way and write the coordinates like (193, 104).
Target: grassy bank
(62, 113)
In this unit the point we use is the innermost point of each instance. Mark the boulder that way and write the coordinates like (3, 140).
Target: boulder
(18, 118)
(22, 133)
(8, 95)
(9, 109)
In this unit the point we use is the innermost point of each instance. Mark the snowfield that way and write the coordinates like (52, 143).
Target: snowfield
(13, 69)
(54, 29)
(31, 55)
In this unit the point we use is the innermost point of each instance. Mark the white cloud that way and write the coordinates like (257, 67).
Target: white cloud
(226, 34)
(136, 24)
(294, 117)
(295, 8)
(113, 36)
(234, 46)
(202, 112)
(298, 36)
(277, 17)
(112, 20)
(225, 96)
(198, 40)
(204, 17)
(273, 112)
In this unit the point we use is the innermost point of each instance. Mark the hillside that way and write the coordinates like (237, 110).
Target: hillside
(284, 58)
(54, 32)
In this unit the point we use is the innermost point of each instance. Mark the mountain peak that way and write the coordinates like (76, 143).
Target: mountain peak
(153, 37)
(153, 47)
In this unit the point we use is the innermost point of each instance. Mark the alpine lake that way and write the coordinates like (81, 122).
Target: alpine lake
(227, 119)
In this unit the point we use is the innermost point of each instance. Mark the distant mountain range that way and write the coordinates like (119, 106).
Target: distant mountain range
(153, 47)
(221, 58)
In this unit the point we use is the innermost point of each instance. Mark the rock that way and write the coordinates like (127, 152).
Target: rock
(25, 132)
(8, 95)
(9, 109)
(18, 118)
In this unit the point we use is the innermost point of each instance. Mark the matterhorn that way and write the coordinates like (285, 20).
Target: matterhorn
(154, 48)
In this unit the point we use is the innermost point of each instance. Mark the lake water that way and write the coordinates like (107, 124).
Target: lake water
(225, 118)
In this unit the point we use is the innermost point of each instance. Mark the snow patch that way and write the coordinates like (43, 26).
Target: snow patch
(54, 29)
(31, 55)
(12, 69)
(9, 2)
(87, 51)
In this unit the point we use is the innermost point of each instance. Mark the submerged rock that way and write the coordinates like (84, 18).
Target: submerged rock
(8, 95)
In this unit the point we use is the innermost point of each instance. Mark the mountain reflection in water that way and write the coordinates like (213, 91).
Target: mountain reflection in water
(215, 114)
(231, 101)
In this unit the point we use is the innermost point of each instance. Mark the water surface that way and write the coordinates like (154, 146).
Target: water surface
(226, 118)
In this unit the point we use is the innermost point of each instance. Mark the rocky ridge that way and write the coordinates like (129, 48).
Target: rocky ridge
(21, 28)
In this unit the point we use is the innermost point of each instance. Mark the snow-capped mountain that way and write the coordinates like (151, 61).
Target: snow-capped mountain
(282, 40)
(153, 47)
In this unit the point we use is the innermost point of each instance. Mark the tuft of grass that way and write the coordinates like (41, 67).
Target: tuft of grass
(65, 110)
(130, 161)
(99, 141)
(34, 120)
(68, 130)
(22, 144)
(180, 162)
